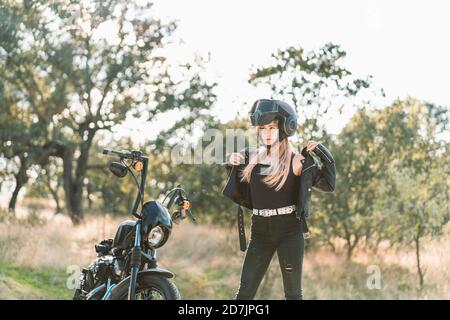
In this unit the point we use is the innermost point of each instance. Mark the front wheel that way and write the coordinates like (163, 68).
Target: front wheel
(149, 287)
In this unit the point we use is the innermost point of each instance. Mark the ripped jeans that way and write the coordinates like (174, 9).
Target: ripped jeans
(282, 233)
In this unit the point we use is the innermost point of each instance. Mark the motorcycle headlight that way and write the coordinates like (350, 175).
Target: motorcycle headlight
(157, 237)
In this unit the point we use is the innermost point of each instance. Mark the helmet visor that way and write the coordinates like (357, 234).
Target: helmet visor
(265, 112)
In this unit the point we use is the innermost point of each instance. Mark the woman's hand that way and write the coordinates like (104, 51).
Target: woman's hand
(235, 159)
(311, 145)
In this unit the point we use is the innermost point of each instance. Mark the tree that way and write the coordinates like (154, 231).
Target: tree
(415, 205)
(20, 129)
(374, 143)
(412, 200)
(82, 67)
(314, 82)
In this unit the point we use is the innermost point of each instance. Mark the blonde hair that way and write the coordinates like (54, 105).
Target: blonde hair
(278, 167)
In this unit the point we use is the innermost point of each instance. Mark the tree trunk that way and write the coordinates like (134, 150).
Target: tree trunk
(13, 200)
(66, 153)
(331, 245)
(54, 191)
(76, 185)
(71, 188)
(21, 179)
(89, 191)
(73, 184)
(76, 204)
(351, 246)
(349, 251)
(58, 206)
(419, 269)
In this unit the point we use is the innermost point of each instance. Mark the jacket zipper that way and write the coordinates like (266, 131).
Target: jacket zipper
(328, 159)
(313, 165)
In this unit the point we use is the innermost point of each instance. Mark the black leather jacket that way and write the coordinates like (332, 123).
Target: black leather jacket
(318, 172)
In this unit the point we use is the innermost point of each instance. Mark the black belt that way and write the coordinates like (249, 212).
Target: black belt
(241, 228)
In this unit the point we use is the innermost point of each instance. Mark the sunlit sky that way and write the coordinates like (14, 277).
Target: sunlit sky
(404, 45)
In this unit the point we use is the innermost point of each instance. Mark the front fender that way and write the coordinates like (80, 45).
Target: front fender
(152, 271)
(160, 271)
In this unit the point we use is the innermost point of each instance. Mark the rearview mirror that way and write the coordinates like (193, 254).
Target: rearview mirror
(118, 169)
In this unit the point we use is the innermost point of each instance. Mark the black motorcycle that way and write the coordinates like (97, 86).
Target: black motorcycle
(126, 266)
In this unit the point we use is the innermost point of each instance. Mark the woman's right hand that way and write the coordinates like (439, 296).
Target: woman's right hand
(235, 159)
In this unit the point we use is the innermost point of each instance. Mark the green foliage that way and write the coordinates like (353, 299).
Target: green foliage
(314, 81)
(63, 80)
(392, 181)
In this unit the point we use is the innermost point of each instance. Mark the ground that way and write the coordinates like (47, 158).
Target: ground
(39, 251)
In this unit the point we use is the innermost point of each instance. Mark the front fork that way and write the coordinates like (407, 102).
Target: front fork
(135, 261)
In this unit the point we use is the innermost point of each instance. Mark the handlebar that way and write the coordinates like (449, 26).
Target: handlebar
(179, 196)
(124, 154)
(136, 157)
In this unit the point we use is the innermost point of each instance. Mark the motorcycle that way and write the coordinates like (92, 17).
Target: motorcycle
(126, 266)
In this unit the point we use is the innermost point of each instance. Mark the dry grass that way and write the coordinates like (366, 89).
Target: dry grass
(207, 261)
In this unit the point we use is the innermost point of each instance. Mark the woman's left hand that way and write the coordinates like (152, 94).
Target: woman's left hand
(311, 145)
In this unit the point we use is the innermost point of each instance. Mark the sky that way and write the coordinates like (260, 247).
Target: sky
(404, 45)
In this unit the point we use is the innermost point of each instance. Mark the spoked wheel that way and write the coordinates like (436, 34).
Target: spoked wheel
(150, 294)
(149, 287)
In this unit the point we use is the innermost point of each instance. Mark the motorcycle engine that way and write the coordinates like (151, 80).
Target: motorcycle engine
(105, 266)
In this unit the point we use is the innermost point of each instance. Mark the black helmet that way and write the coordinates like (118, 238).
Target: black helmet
(265, 111)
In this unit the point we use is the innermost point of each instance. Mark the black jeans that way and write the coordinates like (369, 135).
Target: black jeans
(282, 233)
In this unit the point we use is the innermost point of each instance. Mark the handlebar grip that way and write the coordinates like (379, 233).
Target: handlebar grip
(115, 153)
(122, 154)
(172, 199)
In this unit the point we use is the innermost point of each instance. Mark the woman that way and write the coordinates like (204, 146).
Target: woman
(271, 184)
